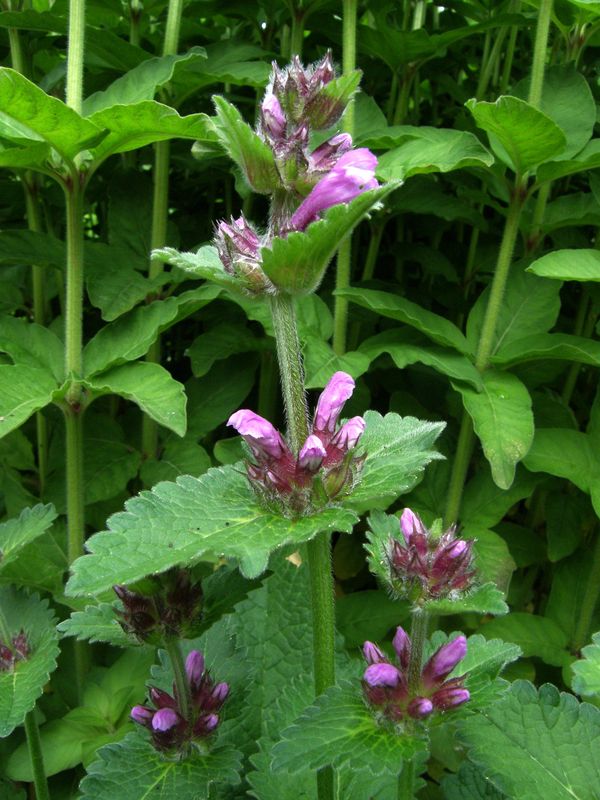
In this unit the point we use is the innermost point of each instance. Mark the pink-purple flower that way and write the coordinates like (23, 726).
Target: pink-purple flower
(325, 465)
(238, 245)
(386, 685)
(171, 729)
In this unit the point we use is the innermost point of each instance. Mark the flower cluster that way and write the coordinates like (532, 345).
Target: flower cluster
(14, 651)
(324, 468)
(298, 101)
(172, 609)
(427, 567)
(386, 686)
(171, 728)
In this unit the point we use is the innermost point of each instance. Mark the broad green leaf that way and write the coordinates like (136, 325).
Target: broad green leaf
(142, 82)
(96, 624)
(20, 687)
(433, 150)
(565, 523)
(214, 397)
(571, 210)
(23, 391)
(587, 159)
(486, 599)
(179, 523)
(148, 385)
(587, 669)
(564, 453)
(178, 457)
(404, 352)
(397, 450)
(218, 343)
(113, 284)
(432, 325)
(16, 533)
(534, 744)
(560, 346)
(32, 345)
(31, 156)
(227, 61)
(469, 783)
(297, 263)
(568, 265)
(204, 264)
(502, 420)
(493, 560)
(535, 635)
(484, 504)
(369, 614)
(567, 598)
(340, 730)
(133, 126)
(31, 247)
(320, 362)
(522, 136)
(245, 147)
(28, 114)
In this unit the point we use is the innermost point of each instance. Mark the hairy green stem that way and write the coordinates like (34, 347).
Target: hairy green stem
(297, 34)
(135, 12)
(179, 676)
(535, 234)
(74, 282)
(590, 600)
(344, 256)
(75, 48)
(418, 637)
(539, 53)
(36, 756)
(460, 467)
(74, 463)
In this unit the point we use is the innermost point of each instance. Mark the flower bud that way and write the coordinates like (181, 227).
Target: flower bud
(142, 715)
(272, 117)
(441, 663)
(408, 523)
(382, 674)
(194, 667)
(372, 653)
(331, 401)
(210, 722)
(220, 692)
(161, 699)
(312, 454)
(348, 435)
(420, 707)
(165, 719)
(451, 697)
(401, 643)
(260, 435)
(238, 246)
(325, 157)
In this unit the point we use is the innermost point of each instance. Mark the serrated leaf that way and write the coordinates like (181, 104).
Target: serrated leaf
(297, 263)
(148, 385)
(432, 325)
(340, 730)
(96, 624)
(32, 345)
(21, 686)
(534, 744)
(397, 450)
(535, 635)
(178, 523)
(469, 783)
(204, 264)
(526, 136)
(503, 421)
(23, 391)
(587, 669)
(568, 265)
(486, 599)
(17, 533)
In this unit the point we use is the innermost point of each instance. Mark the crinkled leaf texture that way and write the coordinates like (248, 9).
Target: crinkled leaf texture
(133, 770)
(534, 744)
(96, 624)
(180, 522)
(587, 670)
(21, 686)
(16, 533)
(340, 730)
(469, 784)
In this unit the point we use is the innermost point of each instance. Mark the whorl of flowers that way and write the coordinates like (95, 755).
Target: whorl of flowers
(324, 468)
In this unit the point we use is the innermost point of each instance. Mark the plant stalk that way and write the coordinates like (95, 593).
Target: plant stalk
(36, 756)
(510, 53)
(75, 48)
(179, 675)
(590, 600)
(297, 33)
(539, 53)
(418, 638)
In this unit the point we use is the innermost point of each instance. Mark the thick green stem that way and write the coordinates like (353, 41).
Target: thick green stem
(16, 50)
(535, 234)
(590, 600)
(418, 637)
(36, 756)
(135, 13)
(171, 42)
(539, 53)
(74, 464)
(344, 256)
(74, 280)
(297, 34)
(460, 467)
(179, 676)
(75, 48)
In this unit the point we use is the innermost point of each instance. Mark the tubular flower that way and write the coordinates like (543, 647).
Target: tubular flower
(167, 723)
(386, 689)
(325, 465)
(238, 246)
(425, 567)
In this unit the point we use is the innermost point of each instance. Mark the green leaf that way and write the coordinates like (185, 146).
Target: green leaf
(214, 397)
(559, 346)
(32, 345)
(485, 504)
(28, 114)
(226, 62)
(469, 783)
(112, 282)
(521, 136)
(534, 744)
(320, 362)
(493, 560)
(486, 599)
(96, 624)
(397, 450)
(587, 159)
(535, 635)
(204, 264)
(568, 265)
(21, 686)
(23, 391)
(432, 325)
(220, 342)
(179, 457)
(404, 352)
(16, 533)
(31, 247)
(565, 523)
(340, 730)
(503, 421)
(148, 385)
(432, 150)
(369, 614)
(587, 669)
(297, 263)
(133, 126)
(564, 453)
(252, 155)
(179, 523)
(141, 82)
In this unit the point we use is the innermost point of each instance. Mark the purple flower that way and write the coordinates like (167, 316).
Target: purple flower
(382, 674)
(326, 156)
(401, 642)
(450, 697)
(420, 707)
(262, 438)
(372, 654)
(238, 246)
(194, 667)
(441, 663)
(312, 454)
(272, 117)
(348, 435)
(331, 401)
(165, 719)
(13, 651)
(353, 174)
(142, 715)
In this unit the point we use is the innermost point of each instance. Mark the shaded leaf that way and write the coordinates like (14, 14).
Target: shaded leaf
(17, 533)
(535, 635)
(96, 624)
(587, 669)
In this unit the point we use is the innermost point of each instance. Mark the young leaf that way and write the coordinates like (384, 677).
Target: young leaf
(522, 136)
(179, 523)
(568, 265)
(534, 744)
(587, 669)
(148, 385)
(503, 421)
(23, 391)
(397, 450)
(340, 730)
(16, 533)
(96, 624)
(21, 685)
